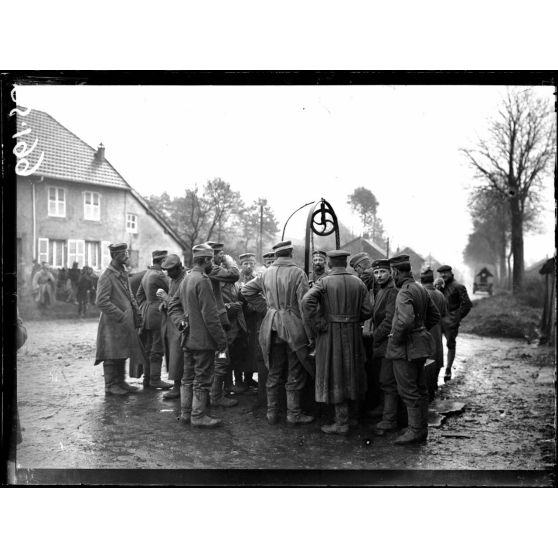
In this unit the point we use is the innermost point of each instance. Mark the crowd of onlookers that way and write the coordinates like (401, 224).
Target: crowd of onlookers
(74, 285)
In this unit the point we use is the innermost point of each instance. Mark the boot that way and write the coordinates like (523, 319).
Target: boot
(415, 432)
(451, 358)
(174, 392)
(294, 412)
(155, 381)
(341, 424)
(186, 394)
(239, 385)
(146, 373)
(249, 381)
(122, 378)
(110, 370)
(272, 406)
(199, 417)
(217, 399)
(389, 417)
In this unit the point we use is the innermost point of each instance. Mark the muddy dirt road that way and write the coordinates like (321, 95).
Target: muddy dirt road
(507, 422)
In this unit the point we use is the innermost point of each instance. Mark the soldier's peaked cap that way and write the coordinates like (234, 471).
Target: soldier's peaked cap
(357, 258)
(117, 247)
(268, 255)
(283, 245)
(380, 264)
(172, 260)
(204, 250)
(427, 276)
(247, 256)
(216, 246)
(322, 252)
(444, 268)
(338, 254)
(401, 261)
(158, 254)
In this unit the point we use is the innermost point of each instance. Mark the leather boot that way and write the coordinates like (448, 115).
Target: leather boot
(389, 417)
(146, 373)
(415, 432)
(199, 417)
(217, 399)
(341, 424)
(186, 395)
(122, 377)
(174, 392)
(451, 358)
(272, 406)
(155, 381)
(110, 369)
(294, 412)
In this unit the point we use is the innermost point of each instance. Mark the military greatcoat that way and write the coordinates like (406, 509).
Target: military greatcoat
(344, 303)
(147, 298)
(439, 301)
(117, 337)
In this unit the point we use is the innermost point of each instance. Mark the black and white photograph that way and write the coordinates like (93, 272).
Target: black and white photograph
(300, 278)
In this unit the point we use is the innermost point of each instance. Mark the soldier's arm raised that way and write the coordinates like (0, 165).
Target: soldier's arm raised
(224, 275)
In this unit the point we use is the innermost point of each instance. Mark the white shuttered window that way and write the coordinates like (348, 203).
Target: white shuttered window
(43, 250)
(56, 202)
(105, 254)
(92, 206)
(76, 252)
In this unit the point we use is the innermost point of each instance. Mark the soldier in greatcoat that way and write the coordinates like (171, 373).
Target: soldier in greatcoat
(409, 345)
(195, 313)
(433, 367)
(149, 302)
(382, 317)
(117, 336)
(174, 355)
(459, 305)
(336, 305)
(283, 336)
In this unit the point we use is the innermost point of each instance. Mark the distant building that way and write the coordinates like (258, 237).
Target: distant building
(75, 204)
(361, 244)
(418, 262)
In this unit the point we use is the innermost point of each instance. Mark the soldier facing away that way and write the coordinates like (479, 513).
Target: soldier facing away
(283, 336)
(336, 305)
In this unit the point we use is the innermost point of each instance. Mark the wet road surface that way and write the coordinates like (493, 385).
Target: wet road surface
(507, 422)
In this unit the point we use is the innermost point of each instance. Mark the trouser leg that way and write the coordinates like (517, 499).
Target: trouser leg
(296, 379)
(217, 396)
(204, 364)
(391, 398)
(111, 372)
(341, 424)
(156, 359)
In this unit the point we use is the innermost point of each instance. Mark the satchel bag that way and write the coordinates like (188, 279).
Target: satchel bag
(420, 344)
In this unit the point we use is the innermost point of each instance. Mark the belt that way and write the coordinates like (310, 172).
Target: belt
(343, 319)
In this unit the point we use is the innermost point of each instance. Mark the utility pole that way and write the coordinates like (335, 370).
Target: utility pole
(260, 253)
(387, 248)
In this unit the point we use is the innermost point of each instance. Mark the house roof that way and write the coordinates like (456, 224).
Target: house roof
(360, 244)
(68, 157)
(418, 261)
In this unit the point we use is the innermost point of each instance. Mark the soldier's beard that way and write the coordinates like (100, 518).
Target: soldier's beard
(318, 268)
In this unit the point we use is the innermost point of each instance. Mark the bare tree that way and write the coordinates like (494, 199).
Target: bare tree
(514, 159)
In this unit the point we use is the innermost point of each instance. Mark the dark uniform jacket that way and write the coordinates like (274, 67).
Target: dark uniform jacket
(440, 302)
(147, 299)
(117, 337)
(336, 305)
(195, 299)
(171, 336)
(220, 275)
(458, 301)
(382, 316)
(135, 281)
(415, 314)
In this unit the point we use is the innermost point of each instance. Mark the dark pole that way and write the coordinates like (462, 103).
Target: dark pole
(261, 232)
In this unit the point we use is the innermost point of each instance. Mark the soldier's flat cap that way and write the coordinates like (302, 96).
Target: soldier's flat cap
(320, 252)
(338, 254)
(283, 245)
(216, 246)
(400, 262)
(427, 276)
(247, 256)
(380, 264)
(117, 247)
(159, 254)
(204, 250)
(269, 256)
(172, 260)
(444, 268)
(357, 258)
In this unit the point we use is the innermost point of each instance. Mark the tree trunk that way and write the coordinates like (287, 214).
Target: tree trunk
(517, 244)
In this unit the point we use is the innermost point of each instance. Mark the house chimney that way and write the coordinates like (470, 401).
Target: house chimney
(100, 153)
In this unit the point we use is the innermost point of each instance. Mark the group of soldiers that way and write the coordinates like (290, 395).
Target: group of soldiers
(368, 341)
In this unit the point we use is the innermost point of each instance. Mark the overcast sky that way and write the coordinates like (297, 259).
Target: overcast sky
(294, 145)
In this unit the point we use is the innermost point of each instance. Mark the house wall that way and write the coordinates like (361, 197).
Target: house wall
(115, 203)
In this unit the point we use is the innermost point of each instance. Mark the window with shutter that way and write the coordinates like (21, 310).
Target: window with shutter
(43, 250)
(105, 254)
(76, 252)
(56, 202)
(92, 206)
